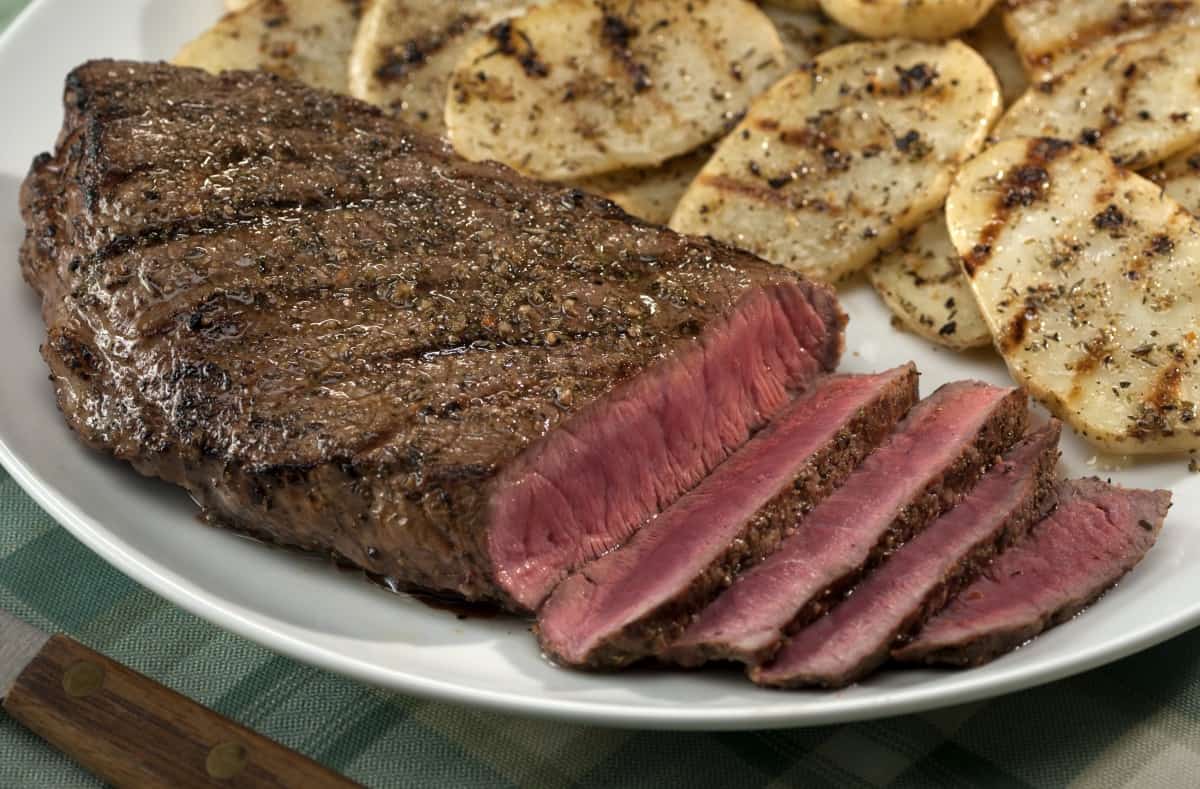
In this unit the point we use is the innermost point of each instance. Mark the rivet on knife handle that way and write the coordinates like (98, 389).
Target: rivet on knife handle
(133, 732)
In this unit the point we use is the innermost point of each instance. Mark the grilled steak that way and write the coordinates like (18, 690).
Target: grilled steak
(1098, 533)
(632, 602)
(855, 637)
(339, 336)
(935, 456)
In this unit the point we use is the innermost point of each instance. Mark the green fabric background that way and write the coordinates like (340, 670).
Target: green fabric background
(1135, 723)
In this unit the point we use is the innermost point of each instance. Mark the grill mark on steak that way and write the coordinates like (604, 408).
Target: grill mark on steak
(240, 280)
(355, 379)
(325, 188)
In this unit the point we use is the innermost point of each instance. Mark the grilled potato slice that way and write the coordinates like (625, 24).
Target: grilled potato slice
(922, 282)
(1088, 278)
(925, 19)
(806, 34)
(990, 39)
(583, 87)
(1139, 102)
(308, 40)
(650, 193)
(836, 161)
(1054, 36)
(406, 50)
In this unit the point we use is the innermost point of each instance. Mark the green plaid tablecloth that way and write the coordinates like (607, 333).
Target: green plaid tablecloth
(1135, 724)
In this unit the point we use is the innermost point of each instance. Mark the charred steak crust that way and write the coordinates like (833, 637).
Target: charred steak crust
(329, 329)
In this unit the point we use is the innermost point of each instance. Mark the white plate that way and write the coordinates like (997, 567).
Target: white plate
(316, 614)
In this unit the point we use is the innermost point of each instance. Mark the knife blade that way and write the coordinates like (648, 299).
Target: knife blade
(128, 729)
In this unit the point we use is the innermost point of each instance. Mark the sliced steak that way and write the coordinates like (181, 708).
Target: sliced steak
(935, 456)
(1097, 534)
(588, 485)
(339, 336)
(855, 638)
(632, 602)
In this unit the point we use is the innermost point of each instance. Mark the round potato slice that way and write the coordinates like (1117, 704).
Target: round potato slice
(922, 282)
(406, 50)
(924, 19)
(582, 87)
(238, 5)
(1140, 102)
(307, 40)
(1087, 276)
(1054, 36)
(990, 39)
(650, 193)
(806, 34)
(836, 161)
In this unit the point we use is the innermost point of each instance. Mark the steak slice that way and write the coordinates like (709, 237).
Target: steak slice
(1098, 533)
(339, 336)
(632, 602)
(855, 637)
(935, 456)
(590, 483)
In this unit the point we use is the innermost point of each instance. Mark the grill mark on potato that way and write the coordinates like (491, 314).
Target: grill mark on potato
(801, 138)
(978, 256)
(1128, 18)
(1164, 395)
(1160, 245)
(915, 78)
(1023, 186)
(1115, 114)
(399, 62)
(1111, 219)
(616, 34)
(1096, 351)
(515, 44)
(1018, 328)
(768, 194)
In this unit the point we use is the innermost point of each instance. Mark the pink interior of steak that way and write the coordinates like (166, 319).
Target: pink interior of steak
(584, 489)
(856, 635)
(1096, 535)
(666, 557)
(837, 537)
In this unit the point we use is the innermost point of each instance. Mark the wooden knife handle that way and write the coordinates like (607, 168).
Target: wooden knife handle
(131, 731)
